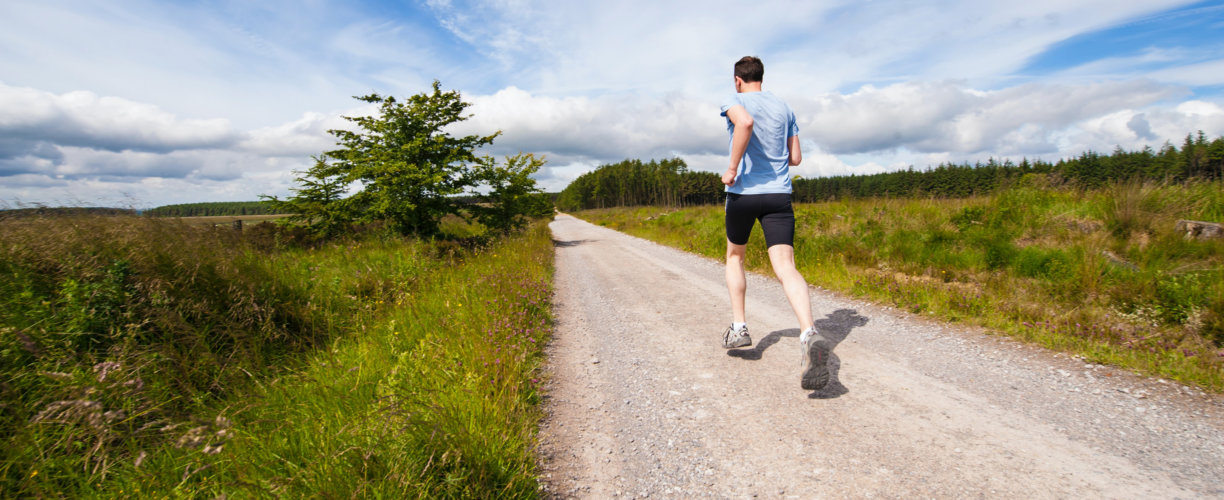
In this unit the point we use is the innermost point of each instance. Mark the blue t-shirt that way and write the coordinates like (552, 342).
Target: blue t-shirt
(766, 165)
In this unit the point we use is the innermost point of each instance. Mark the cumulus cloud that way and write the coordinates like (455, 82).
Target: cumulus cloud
(1125, 127)
(55, 144)
(817, 163)
(108, 123)
(83, 135)
(39, 128)
(305, 136)
(950, 117)
(595, 128)
(20, 156)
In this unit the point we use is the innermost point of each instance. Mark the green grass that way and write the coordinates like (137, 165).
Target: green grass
(153, 358)
(1101, 274)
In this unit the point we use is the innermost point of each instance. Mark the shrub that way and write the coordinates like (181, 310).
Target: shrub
(1178, 296)
(997, 249)
(1042, 263)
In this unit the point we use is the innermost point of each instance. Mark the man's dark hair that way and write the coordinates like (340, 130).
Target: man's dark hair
(750, 69)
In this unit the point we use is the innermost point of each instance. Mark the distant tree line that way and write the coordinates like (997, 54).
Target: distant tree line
(1197, 159)
(632, 182)
(214, 208)
(670, 183)
(63, 211)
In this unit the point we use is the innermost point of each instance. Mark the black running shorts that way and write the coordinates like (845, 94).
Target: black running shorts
(773, 210)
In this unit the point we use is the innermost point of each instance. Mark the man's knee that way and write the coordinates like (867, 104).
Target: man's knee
(782, 256)
(781, 250)
(736, 252)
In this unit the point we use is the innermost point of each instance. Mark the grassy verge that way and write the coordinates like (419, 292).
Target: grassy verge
(154, 358)
(1102, 274)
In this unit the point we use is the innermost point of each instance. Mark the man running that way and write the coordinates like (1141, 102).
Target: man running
(764, 145)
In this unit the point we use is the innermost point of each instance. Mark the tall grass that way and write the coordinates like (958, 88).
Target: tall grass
(1099, 273)
(436, 398)
(147, 357)
(118, 331)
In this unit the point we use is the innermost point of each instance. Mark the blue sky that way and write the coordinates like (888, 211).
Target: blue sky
(1188, 28)
(142, 102)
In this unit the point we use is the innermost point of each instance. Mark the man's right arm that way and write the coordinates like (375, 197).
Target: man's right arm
(742, 132)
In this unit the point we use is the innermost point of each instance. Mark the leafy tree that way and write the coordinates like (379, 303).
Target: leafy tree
(409, 169)
(318, 202)
(513, 198)
(411, 173)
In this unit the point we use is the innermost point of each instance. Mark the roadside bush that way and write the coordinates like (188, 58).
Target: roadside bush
(997, 249)
(1178, 296)
(1043, 263)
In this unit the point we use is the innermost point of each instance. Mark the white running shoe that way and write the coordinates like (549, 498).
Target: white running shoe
(815, 360)
(733, 338)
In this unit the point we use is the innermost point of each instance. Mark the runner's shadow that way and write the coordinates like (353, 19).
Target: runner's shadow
(835, 327)
(766, 342)
(571, 243)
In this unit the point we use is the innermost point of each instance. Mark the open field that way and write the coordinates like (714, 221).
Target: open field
(229, 219)
(1102, 274)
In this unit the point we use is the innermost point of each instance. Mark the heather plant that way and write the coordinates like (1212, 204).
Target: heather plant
(1101, 273)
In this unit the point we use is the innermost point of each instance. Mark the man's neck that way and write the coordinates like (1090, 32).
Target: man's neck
(748, 87)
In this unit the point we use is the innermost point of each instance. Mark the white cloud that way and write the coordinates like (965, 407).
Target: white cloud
(933, 117)
(306, 136)
(1201, 74)
(85, 119)
(611, 126)
(81, 148)
(817, 163)
(1165, 124)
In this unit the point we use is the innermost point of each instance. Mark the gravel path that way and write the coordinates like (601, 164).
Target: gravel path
(642, 400)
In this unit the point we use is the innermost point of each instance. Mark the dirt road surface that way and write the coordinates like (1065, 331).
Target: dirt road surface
(643, 401)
